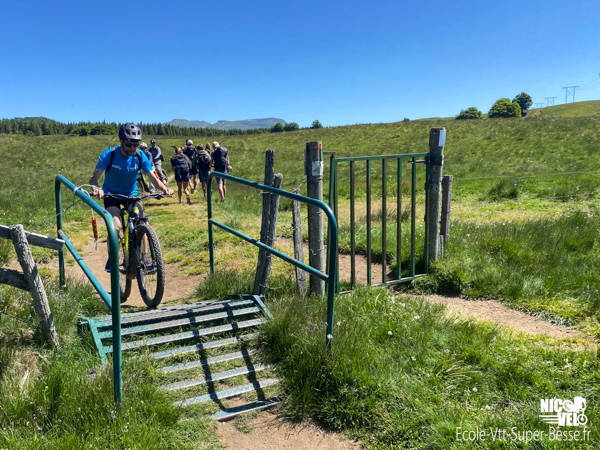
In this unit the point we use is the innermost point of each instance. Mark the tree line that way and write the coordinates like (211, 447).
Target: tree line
(501, 108)
(38, 126)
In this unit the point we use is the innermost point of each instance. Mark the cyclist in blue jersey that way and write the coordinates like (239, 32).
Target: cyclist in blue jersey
(121, 165)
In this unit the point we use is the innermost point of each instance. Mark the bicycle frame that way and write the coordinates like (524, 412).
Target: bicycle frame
(128, 227)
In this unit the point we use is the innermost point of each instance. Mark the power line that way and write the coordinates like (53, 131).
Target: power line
(548, 100)
(570, 90)
(539, 105)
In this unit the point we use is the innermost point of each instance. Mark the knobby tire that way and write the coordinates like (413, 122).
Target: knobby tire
(151, 285)
(125, 281)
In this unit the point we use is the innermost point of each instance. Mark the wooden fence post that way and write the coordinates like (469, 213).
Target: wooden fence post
(313, 160)
(264, 227)
(446, 204)
(437, 140)
(298, 250)
(272, 231)
(34, 281)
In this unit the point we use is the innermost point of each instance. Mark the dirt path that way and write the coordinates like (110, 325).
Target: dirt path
(270, 432)
(177, 286)
(486, 310)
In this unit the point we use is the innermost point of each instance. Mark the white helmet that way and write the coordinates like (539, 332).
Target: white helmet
(189, 142)
(143, 145)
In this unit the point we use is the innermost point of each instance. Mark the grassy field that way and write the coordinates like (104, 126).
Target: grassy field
(525, 227)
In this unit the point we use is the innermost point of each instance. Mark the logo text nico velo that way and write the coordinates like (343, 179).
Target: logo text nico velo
(555, 411)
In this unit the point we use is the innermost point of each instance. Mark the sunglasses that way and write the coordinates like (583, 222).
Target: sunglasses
(130, 144)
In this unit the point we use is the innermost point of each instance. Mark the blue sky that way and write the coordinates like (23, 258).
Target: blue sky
(339, 62)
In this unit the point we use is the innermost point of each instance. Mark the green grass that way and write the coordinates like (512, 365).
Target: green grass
(579, 109)
(64, 400)
(403, 374)
(525, 229)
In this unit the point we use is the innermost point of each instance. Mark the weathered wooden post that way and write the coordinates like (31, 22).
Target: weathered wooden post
(437, 140)
(298, 250)
(273, 213)
(313, 168)
(34, 282)
(446, 203)
(264, 228)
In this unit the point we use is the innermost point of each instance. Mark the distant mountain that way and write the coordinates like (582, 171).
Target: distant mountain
(228, 124)
(189, 123)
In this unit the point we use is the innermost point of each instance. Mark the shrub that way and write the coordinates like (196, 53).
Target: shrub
(524, 101)
(278, 127)
(469, 113)
(505, 108)
(103, 128)
(292, 126)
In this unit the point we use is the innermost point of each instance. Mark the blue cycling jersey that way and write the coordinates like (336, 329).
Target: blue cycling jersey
(121, 179)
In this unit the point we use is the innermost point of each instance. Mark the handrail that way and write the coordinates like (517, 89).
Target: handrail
(112, 300)
(329, 276)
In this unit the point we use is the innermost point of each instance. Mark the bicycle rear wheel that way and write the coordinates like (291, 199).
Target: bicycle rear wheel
(164, 177)
(124, 262)
(150, 266)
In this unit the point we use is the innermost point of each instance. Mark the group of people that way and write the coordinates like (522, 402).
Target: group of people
(194, 163)
(121, 165)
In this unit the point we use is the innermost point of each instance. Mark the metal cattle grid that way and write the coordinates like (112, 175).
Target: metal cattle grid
(205, 352)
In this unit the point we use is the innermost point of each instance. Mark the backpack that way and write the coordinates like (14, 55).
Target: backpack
(202, 160)
(220, 159)
(183, 167)
(111, 158)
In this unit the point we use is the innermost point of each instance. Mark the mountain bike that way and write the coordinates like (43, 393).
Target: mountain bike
(163, 176)
(140, 254)
(143, 181)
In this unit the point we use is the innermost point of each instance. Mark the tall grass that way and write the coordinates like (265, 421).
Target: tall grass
(402, 374)
(64, 400)
(549, 266)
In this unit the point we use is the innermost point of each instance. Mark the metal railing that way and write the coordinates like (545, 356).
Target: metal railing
(112, 300)
(333, 202)
(331, 269)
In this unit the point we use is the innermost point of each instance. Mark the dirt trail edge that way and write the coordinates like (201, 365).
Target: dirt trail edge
(491, 310)
(270, 432)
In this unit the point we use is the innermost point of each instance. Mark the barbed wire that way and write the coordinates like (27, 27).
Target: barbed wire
(16, 318)
(78, 188)
(526, 176)
(454, 207)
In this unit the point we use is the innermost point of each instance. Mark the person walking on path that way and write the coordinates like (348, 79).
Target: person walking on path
(190, 152)
(148, 185)
(121, 165)
(203, 162)
(157, 158)
(220, 161)
(182, 167)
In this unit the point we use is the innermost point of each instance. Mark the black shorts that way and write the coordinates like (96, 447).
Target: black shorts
(182, 178)
(194, 170)
(110, 201)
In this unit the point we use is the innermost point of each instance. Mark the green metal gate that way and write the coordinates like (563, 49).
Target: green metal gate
(399, 162)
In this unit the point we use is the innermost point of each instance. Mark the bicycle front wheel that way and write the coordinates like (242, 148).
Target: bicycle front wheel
(150, 265)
